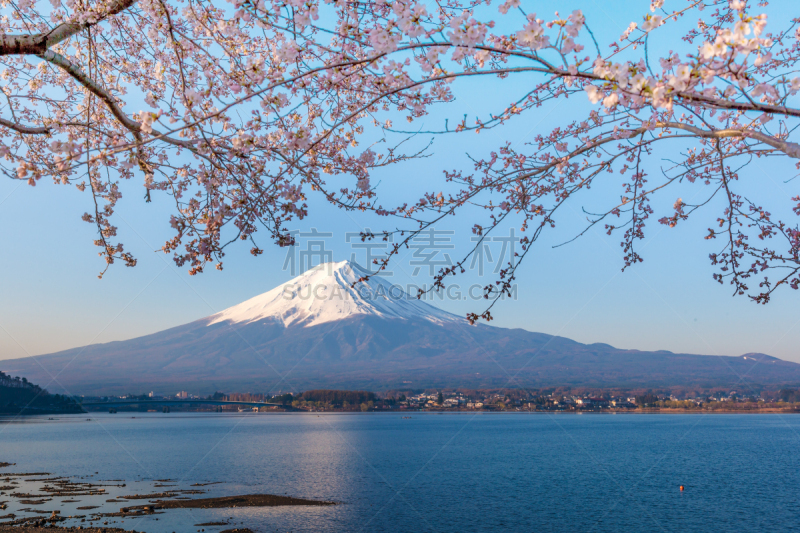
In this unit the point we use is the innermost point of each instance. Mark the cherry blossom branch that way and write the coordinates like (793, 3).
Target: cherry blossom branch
(39, 43)
(26, 130)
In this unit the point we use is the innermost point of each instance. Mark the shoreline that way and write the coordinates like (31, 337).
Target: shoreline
(102, 529)
(406, 413)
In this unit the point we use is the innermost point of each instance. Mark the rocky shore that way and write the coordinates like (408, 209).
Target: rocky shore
(34, 529)
(34, 502)
(37, 529)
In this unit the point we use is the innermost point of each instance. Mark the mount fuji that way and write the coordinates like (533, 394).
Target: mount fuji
(328, 329)
(332, 292)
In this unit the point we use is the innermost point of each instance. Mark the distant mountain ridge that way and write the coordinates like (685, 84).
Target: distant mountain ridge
(320, 330)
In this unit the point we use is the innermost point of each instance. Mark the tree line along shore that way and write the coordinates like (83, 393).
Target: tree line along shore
(19, 396)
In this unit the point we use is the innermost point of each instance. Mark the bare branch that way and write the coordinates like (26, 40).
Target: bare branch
(27, 130)
(41, 42)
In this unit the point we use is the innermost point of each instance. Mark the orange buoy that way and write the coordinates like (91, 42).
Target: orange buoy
(681, 488)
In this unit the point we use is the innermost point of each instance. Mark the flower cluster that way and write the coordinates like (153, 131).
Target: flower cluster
(252, 106)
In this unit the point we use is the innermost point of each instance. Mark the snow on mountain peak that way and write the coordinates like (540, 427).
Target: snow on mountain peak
(324, 294)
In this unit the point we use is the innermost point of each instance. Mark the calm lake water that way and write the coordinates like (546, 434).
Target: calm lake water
(451, 472)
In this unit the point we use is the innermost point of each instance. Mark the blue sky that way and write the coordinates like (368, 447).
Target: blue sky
(52, 299)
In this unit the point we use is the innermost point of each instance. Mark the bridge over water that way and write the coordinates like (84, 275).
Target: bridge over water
(117, 403)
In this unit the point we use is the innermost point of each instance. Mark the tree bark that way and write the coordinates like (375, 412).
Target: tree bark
(39, 43)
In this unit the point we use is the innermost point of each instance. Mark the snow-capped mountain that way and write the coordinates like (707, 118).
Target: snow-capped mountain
(331, 292)
(328, 329)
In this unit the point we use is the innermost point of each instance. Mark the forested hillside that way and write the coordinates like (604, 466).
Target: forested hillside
(19, 396)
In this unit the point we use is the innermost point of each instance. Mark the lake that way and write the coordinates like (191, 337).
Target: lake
(434, 472)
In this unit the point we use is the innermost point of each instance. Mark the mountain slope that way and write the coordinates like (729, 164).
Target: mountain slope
(318, 331)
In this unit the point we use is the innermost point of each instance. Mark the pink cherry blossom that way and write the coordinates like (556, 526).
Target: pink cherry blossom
(239, 113)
